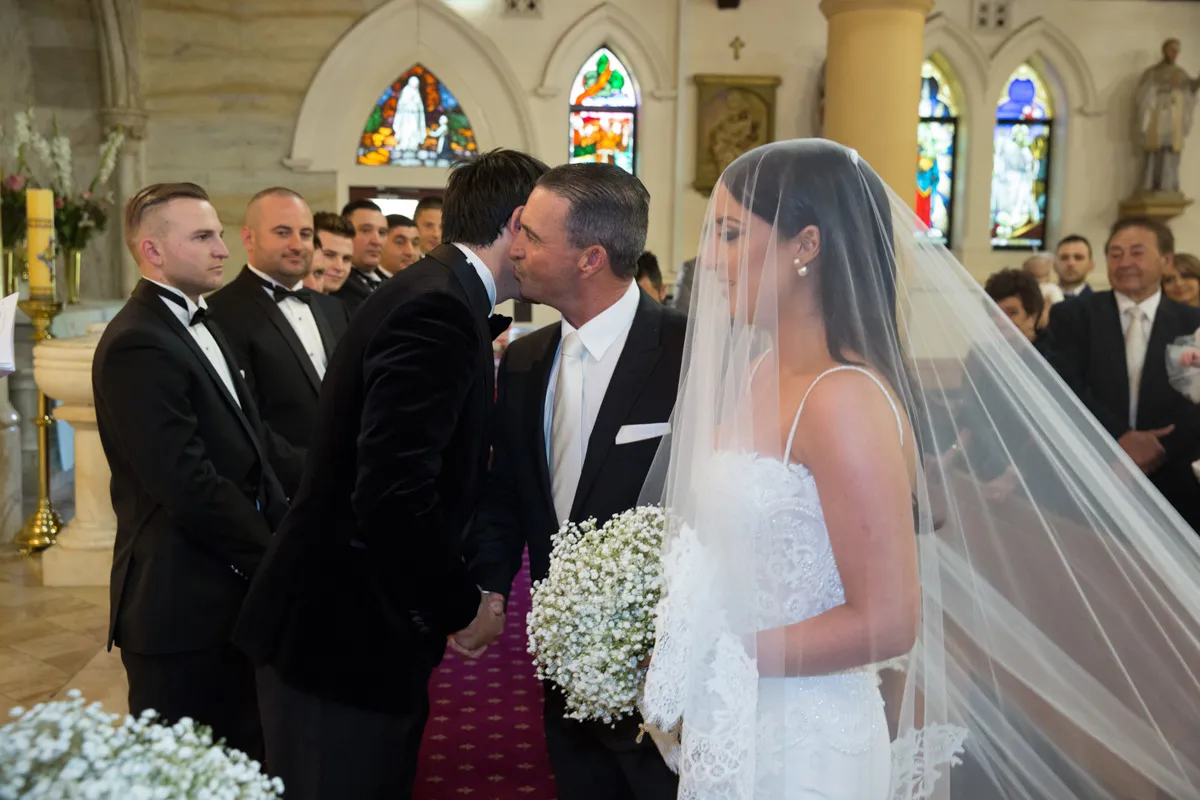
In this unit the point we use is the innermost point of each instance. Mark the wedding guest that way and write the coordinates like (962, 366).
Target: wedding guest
(282, 334)
(1131, 397)
(333, 250)
(1073, 263)
(370, 229)
(1181, 279)
(194, 495)
(400, 245)
(1041, 267)
(649, 277)
(428, 217)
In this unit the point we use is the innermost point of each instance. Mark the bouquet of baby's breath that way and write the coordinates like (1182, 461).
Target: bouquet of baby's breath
(591, 626)
(69, 749)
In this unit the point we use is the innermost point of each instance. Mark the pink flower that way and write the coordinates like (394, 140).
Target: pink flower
(16, 182)
(87, 195)
(59, 202)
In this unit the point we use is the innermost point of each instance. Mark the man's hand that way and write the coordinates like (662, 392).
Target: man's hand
(1145, 448)
(486, 628)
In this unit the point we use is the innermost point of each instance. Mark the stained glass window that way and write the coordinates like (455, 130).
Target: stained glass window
(1021, 162)
(936, 139)
(604, 108)
(417, 122)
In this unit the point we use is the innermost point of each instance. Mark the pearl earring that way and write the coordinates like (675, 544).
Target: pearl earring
(801, 269)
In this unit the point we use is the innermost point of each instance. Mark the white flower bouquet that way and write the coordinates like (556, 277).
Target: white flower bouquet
(70, 749)
(591, 626)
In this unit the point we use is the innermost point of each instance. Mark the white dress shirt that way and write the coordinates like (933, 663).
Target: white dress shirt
(300, 316)
(201, 334)
(485, 274)
(603, 340)
(1149, 308)
(1075, 292)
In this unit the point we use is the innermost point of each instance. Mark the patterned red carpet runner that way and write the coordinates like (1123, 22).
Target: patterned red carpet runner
(484, 740)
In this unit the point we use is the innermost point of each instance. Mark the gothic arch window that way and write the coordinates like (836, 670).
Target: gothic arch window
(604, 112)
(417, 122)
(1021, 162)
(937, 152)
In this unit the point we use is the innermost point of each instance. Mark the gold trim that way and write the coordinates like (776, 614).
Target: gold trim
(831, 8)
(739, 80)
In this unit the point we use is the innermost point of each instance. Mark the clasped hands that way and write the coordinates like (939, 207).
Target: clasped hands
(486, 628)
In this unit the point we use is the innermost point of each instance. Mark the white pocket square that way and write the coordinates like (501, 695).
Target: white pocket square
(639, 433)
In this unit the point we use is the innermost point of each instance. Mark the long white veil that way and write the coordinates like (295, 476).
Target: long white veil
(1059, 634)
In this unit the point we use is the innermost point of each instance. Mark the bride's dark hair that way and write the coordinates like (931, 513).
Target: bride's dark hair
(795, 184)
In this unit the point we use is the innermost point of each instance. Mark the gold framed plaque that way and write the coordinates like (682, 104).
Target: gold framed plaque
(734, 113)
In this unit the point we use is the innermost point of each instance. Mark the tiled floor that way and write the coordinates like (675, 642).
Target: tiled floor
(52, 640)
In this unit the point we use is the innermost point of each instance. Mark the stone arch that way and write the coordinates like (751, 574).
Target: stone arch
(606, 24)
(964, 61)
(349, 82)
(1061, 63)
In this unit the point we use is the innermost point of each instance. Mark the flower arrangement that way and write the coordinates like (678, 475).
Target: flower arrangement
(70, 749)
(40, 161)
(591, 626)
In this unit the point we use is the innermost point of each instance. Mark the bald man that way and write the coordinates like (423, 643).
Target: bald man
(282, 333)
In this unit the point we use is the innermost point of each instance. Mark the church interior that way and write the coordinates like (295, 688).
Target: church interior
(1027, 117)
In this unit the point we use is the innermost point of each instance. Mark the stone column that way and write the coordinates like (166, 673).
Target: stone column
(83, 555)
(127, 179)
(873, 82)
(11, 502)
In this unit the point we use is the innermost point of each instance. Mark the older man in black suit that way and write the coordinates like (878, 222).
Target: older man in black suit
(194, 495)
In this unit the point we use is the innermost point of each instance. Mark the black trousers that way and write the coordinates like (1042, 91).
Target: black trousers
(324, 750)
(215, 687)
(592, 761)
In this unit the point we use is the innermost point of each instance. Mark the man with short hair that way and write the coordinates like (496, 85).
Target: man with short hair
(583, 405)
(649, 276)
(333, 249)
(194, 495)
(1110, 347)
(365, 580)
(370, 229)
(1073, 263)
(428, 217)
(282, 334)
(400, 246)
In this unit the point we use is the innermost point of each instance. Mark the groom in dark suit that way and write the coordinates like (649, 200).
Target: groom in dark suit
(582, 407)
(1110, 347)
(282, 334)
(194, 496)
(364, 582)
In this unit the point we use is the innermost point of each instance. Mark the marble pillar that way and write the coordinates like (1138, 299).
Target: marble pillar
(872, 83)
(83, 554)
(127, 180)
(11, 502)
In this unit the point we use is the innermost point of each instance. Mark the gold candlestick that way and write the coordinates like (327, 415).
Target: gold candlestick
(41, 529)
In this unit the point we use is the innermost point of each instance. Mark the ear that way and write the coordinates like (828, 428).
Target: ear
(247, 238)
(592, 260)
(514, 222)
(807, 244)
(150, 251)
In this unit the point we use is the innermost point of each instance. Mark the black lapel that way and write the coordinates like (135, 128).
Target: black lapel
(249, 282)
(480, 305)
(638, 359)
(1112, 340)
(148, 295)
(239, 383)
(535, 408)
(1154, 369)
(323, 327)
(359, 284)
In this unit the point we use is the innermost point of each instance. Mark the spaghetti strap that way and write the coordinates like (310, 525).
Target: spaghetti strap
(845, 367)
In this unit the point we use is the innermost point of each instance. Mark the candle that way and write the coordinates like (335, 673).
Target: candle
(39, 209)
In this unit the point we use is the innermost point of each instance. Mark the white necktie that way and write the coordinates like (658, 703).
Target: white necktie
(1135, 357)
(566, 430)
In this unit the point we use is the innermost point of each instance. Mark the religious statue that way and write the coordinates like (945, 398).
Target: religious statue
(409, 124)
(1166, 97)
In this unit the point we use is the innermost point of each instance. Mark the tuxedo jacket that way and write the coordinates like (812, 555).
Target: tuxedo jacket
(365, 578)
(355, 291)
(194, 494)
(1088, 350)
(282, 379)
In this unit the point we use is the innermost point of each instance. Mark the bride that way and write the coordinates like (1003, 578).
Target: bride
(850, 611)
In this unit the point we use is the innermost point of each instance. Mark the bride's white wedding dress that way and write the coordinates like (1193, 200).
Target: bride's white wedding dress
(812, 737)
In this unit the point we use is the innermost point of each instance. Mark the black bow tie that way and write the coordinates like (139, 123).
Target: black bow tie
(197, 317)
(498, 324)
(281, 293)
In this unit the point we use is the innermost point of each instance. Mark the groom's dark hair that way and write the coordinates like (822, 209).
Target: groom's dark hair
(609, 207)
(482, 195)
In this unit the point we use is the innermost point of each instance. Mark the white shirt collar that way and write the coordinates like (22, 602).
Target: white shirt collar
(272, 281)
(485, 274)
(599, 333)
(1149, 306)
(1078, 290)
(383, 273)
(182, 313)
